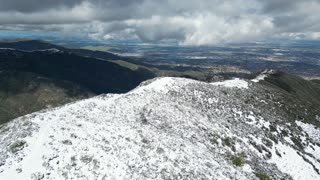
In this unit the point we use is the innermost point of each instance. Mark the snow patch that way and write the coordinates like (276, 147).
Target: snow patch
(11, 49)
(263, 75)
(52, 50)
(313, 132)
(292, 163)
(234, 83)
(162, 85)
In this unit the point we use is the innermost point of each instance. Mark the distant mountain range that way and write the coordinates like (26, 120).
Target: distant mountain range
(35, 45)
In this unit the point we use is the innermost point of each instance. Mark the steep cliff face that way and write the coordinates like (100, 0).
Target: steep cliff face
(167, 128)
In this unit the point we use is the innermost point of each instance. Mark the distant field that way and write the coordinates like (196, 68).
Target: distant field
(300, 58)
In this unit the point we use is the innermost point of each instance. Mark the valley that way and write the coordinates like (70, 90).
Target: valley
(300, 58)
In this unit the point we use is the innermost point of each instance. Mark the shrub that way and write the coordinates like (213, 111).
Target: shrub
(263, 176)
(237, 160)
(284, 133)
(272, 128)
(214, 141)
(227, 141)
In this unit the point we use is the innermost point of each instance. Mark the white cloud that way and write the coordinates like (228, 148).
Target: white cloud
(190, 22)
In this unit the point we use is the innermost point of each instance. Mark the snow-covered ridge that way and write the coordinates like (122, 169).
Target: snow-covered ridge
(48, 50)
(167, 128)
(11, 49)
(264, 74)
(52, 50)
(239, 83)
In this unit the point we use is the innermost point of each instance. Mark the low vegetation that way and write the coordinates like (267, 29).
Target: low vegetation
(237, 160)
(228, 141)
(22, 93)
(263, 176)
(301, 97)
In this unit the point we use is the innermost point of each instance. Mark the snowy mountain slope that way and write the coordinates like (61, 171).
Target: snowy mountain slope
(167, 128)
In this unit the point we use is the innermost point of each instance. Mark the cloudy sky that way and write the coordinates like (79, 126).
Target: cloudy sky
(190, 22)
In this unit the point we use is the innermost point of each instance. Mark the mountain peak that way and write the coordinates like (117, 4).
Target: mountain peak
(166, 128)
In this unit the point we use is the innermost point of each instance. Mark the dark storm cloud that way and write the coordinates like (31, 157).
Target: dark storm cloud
(191, 22)
(35, 5)
(278, 6)
(293, 16)
(284, 6)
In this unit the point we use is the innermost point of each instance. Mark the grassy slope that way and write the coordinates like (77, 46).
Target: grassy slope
(24, 92)
(316, 81)
(301, 97)
(99, 76)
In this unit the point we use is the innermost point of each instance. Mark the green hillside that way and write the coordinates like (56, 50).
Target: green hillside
(24, 92)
